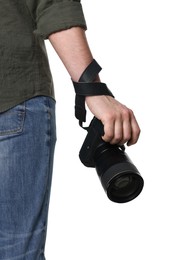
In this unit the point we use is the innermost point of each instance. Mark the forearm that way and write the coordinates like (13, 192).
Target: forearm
(120, 125)
(72, 47)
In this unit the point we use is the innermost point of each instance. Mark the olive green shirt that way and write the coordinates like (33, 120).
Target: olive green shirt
(24, 25)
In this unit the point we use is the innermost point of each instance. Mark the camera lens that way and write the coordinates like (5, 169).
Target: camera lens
(120, 178)
(124, 187)
(122, 182)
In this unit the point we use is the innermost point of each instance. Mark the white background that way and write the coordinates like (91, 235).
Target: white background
(133, 42)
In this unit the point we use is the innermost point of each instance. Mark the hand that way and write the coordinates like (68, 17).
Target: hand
(120, 125)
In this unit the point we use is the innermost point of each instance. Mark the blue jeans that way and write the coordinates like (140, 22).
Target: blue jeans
(27, 141)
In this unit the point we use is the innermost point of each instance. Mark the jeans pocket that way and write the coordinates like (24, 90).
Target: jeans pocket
(12, 120)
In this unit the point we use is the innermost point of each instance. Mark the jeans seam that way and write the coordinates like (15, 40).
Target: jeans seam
(46, 206)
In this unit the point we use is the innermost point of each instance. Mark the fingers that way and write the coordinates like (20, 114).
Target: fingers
(135, 131)
(110, 127)
(120, 124)
(121, 128)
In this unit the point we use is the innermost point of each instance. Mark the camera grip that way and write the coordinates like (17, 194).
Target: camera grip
(97, 124)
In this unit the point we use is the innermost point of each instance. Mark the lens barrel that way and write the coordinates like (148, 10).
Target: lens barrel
(120, 178)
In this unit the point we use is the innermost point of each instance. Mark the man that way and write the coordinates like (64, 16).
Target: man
(27, 114)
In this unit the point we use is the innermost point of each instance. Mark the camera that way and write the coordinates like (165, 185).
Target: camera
(120, 178)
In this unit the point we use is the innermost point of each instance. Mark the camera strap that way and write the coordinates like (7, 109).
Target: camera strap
(86, 87)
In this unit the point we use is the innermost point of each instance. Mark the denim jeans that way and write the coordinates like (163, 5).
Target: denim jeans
(27, 142)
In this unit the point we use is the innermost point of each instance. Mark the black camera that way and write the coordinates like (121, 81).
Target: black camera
(120, 178)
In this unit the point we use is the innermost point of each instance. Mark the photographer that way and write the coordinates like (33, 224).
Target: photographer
(27, 114)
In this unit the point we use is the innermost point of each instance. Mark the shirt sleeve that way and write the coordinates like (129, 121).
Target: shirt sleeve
(56, 15)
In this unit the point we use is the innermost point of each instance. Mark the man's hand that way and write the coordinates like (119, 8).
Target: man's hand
(120, 125)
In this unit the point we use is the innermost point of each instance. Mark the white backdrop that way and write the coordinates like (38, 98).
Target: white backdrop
(133, 42)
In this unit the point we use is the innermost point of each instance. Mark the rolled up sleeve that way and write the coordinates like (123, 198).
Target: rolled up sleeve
(54, 16)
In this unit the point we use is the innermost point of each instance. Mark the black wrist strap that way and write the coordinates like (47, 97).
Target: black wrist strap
(86, 87)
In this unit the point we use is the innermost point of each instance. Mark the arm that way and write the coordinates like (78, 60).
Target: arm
(120, 125)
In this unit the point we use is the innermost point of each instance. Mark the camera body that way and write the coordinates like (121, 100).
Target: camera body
(120, 178)
(91, 142)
